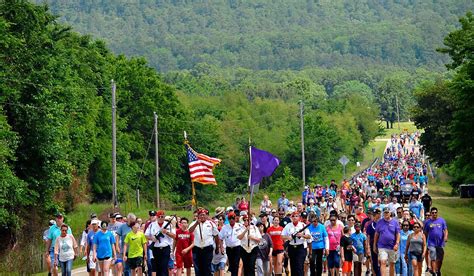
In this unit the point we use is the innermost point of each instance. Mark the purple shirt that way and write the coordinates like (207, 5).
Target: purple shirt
(388, 231)
(435, 229)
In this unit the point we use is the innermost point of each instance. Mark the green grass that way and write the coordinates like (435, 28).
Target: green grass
(404, 126)
(459, 215)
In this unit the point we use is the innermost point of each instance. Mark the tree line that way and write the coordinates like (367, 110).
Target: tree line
(268, 34)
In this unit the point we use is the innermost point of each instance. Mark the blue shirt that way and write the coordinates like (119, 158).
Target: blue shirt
(283, 202)
(90, 239)
(416, 208)
(403, 241)
(314, 209)
(358, 241)
(318, 235)
(104, 243)
(54, 232)
(304, 196)
(122, 232)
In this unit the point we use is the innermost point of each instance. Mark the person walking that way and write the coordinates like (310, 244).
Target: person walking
(135, 244)
(162, 237)
(92, 265)
(264, 252)
(53, 234)
(294, 233)
(347, 251)
(183, 248)
(319, 246)
(359, 241)
(104, 248)
(436, 231)
(205, 241)
(334, 231)
(65, 251)
(386, 242)
(250, 238)
(278, 249)
(415, 249)
(229, 235)
(402, 265)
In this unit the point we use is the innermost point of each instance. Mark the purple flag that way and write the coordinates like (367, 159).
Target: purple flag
(263, 164)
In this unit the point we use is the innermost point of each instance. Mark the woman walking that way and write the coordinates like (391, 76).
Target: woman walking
(416, 248)
(104, 249)
(65, 251)
(402, 265)
(278, 249)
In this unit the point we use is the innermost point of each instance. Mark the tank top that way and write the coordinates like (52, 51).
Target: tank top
(416, 244)
(334, 237)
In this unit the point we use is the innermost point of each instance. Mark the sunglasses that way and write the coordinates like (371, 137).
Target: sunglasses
(406, 225)
(416, 227)
(161, 216)
(232, 218)
(245, 220)
(332, 220)
(434, 212)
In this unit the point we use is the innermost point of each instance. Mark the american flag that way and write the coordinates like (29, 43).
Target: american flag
(201, 167)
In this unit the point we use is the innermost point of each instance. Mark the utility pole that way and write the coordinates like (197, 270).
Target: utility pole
(157, 164)
(303, 170)
(114, 148)
(398, 112)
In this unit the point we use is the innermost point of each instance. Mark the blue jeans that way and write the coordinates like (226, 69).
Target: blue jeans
(149, 263)
(401, 267)
(66, 267)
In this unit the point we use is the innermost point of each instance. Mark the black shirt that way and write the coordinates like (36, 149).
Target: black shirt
(346, 243)
(397, 194)
(426, 200)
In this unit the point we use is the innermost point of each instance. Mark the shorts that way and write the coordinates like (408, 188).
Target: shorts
(171, 263)
(358, 258)
(117, 261)
(217, 267)
(91, 265)
(346, 267)
(276, 252)
(334, 259)
(185, 261)
(135, 262)
(388, 254)
(416, 256)
(104, 259)
(436, 253)
(51, 256)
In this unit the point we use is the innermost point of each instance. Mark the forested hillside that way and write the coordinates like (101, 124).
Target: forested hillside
(270, 34)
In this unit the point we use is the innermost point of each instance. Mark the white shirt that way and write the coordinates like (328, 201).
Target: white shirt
(291, 229)
(204, 233)
(229, 234)
(154, 229)
(249, 244)
(393, 207)
(292, 209)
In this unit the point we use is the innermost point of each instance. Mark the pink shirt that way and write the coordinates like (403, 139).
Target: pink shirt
(334, 237)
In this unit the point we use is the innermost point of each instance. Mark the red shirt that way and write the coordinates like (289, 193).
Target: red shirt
(275, 234)
(183, 239)
(243, 206)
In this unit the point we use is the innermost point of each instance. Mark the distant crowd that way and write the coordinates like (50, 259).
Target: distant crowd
(382, 219)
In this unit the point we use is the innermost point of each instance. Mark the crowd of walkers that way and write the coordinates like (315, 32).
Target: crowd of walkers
(383, 220)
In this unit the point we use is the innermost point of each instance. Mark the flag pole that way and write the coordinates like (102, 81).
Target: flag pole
(193, 192)
(250, 188)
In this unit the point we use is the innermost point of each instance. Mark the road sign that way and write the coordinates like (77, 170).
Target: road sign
(344, 160)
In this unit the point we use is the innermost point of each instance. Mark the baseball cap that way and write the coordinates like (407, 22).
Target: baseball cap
(386, 210)
(52, 222)
(229, 209)
(304, 214)
(93, 215)
(263, 214)
(118, 216)
(59, 215)
(152, 213)
(95, 221)
(377, 211)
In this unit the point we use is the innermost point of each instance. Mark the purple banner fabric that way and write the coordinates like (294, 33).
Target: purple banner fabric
(263, 165)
